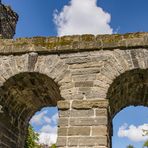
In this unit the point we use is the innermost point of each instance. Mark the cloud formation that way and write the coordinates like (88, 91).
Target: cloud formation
(38, 118)
(133, 133)
(47, 126)
(48, 139)
(82, 17)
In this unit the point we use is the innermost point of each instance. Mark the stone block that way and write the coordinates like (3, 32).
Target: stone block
(84, 84)
(101, 112)
(62, 131)
(88, 121)
(78, 131)
(61, 141)
(88, 104)
(63, 121)
(63, 105)
(82, 113)
(64, 113)
(87, 141)
(99, 130)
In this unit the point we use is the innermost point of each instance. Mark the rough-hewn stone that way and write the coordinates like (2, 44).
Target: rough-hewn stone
(88, 104)
(8, 20)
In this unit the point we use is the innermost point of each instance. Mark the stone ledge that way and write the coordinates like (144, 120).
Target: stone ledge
(76, 43)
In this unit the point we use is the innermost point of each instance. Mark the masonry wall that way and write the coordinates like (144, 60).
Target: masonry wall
(89, 78)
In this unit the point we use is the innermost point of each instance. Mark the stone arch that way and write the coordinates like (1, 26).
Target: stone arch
(20, 97)
(130, 88)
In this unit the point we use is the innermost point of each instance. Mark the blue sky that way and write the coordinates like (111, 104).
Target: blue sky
(36, 16)
(52, 18)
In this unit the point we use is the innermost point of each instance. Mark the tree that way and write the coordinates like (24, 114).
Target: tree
(53, 146)
(32, 138)
(146, 142)
(130, 146)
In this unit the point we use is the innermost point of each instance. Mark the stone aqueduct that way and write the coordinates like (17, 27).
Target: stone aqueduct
(90, 79)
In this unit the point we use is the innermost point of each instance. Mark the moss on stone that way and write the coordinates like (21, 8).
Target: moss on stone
(87, 37)
(111, 38)
(133, 35)
(20, 43)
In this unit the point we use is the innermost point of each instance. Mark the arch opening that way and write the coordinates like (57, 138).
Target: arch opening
(21, 96)
(128, 127)
(44, 124)
(128, 89)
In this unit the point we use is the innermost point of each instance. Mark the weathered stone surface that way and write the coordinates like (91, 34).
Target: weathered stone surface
(61, 141)
(88, 121)
(89, 141)
(56, 45)
(88, 104)
(63, 131)
(82, 113)
(101, 112)
(8, 20)
(99, 130)
(64, 105)
(79, 131)
(63, 121)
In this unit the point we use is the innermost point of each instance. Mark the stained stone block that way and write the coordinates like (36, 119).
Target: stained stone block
(88, 104)
(79, 131)
(63, 105)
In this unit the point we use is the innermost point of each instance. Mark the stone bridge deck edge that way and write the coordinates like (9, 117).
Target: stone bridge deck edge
(75, 43)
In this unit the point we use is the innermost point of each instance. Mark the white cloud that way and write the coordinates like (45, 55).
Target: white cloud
(49, 129)
(41, 118)
(48, 139)
(82, 17)
(47, 119)
(37, 119)
(48, 135)
(55, 118)
(133, 133)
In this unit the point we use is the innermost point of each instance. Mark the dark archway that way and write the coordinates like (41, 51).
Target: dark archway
(130, 88)
(21, 96)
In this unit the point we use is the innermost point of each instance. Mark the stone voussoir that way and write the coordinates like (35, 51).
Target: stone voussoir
(63, 105)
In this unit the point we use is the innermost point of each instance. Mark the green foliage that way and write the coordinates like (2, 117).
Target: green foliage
(146, 142)
(53, 146)
(130, 146)
(31, 139)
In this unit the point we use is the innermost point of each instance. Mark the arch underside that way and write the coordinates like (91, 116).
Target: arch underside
(21, 96)
(130, 88)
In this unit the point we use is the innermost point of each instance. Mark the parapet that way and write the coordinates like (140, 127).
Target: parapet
(77, 43)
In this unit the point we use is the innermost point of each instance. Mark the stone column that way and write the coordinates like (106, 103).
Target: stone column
(8, 132)
(12, 130)
(83, 124)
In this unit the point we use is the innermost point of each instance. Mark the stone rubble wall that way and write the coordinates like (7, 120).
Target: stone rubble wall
(8, 20)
